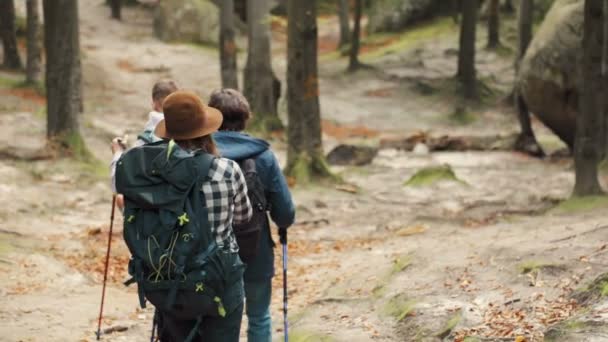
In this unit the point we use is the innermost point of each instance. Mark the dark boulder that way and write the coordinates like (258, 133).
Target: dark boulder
(352, 155)
(396, 15)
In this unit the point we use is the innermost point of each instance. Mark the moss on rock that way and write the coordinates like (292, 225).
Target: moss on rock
(597, 289)
(578, 204)
(432, 175)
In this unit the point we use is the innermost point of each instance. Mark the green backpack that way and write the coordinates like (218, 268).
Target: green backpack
(175, 261)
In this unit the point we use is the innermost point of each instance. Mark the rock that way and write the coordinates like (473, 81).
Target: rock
(591, 323)
(549, 73)
(395, 15)
(320, 204)
(421, 149)
(195, 21)
(352, 155)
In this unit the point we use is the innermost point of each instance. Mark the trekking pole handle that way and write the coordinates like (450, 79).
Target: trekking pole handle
(283, 236)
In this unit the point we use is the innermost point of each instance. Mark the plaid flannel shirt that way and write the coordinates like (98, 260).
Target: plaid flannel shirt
(226, 197)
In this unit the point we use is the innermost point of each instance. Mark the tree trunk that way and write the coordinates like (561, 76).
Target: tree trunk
(354, 63)
(228, 45)
(466, 54)
(63, 74)
(526, 142)
(305, 160)
(493, 25)
(32, 70)
(604, 135)
(588, 142)
(344, 15)
(259, 87)
(525, 19)
(8, 31)
(508, 6)
(116, 6)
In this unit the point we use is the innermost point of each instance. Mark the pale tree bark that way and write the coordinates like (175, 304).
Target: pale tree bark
(588, 143)
(526, 141)
(354, 63)
(466, 55)
(493, 25)
(228, 47)
(260, 86)
(305, 160)
(344, 16)
(116, 7)
(8, 33)
(32, 69)
(63, 74)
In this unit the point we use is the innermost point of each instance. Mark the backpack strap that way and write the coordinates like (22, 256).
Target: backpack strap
(248, 166)
(136, 270)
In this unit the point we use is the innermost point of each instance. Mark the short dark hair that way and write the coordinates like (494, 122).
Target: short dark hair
(162, 89)
(234, 107)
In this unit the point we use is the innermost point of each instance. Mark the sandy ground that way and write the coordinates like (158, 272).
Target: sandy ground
(385, 263)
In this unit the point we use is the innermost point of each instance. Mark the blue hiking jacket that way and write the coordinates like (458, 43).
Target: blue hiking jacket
(239, 146)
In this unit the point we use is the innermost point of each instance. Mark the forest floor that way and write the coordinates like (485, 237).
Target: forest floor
(495, 253)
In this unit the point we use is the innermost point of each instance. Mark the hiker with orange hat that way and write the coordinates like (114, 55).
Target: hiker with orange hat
(181, 201)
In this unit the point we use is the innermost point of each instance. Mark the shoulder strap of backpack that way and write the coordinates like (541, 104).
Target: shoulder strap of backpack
(248, 165)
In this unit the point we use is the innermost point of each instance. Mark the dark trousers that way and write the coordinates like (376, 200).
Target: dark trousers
(174, 328)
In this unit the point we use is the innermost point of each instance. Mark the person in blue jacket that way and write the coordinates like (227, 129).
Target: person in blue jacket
(236, 145)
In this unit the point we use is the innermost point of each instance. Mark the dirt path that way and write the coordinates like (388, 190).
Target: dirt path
(387, 263)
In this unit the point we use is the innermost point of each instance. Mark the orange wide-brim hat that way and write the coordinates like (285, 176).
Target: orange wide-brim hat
(187, 117)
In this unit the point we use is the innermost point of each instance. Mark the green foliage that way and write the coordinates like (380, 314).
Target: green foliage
(14, 83)
(263, 125)
(581, 204)
(21, 26)
(306, 169)
(450, 325)
(76, 147)
(432, 175)
(409, 38)
(532, 266)
(595, 290)
(5, 245)
(399, 307)
(462, 116)
(303, 336)
(6, 82)
(401, 263)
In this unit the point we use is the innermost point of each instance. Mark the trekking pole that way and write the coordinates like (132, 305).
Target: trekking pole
(105, 272)
(283, 238)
